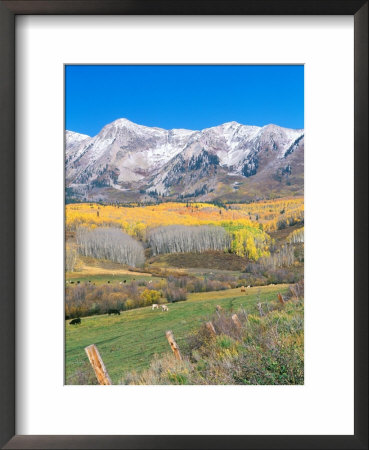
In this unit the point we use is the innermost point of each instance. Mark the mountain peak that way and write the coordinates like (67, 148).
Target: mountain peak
(231, 124)
(136, 160)
(273, 127)
(122, 122)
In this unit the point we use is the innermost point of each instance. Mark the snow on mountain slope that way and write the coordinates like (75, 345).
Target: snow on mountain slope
(73, 138)
(122, 152)
(239, 150)
(127, 156)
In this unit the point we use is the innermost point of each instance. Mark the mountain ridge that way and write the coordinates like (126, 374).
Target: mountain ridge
(131, 162)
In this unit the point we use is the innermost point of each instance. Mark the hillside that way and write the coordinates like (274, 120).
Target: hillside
(130, 341)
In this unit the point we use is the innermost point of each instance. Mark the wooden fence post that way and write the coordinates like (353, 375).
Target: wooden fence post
(98, 365)
(211, 328)
(281, 299)
(236, 321)
(173, 345)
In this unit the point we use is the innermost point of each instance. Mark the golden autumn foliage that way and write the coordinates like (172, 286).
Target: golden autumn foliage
(135, 219)
(274, 214)
(247, 224)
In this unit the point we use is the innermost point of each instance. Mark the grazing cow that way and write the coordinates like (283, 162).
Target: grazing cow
(164, 307)
(72, 282)
(114, 311)
(248, 287)
(125, 281)
(243, 289)
(75, 321)
(108, 281)
(155, 306)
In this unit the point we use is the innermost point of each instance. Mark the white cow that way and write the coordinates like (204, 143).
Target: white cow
(248, 287)
(164, 307)
(155, 306)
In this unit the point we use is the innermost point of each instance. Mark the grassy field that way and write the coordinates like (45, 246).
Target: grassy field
(103, 278)
(129, 341)
(101, 271)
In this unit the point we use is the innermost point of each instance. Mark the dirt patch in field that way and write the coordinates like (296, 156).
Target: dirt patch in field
(94, 266)
(88, 270)
(206, 260)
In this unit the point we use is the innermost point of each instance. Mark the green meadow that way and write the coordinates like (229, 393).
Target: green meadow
(129, 341)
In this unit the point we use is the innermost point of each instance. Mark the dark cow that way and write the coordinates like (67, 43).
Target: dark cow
(108, 281)
(114, 311)
(75, 321)
(78, 282)
(72, 282)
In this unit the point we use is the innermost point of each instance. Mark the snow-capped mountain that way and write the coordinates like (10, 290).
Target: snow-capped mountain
(131, 161)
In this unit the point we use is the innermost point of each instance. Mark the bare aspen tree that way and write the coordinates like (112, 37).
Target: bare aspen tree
(182, 238)
(70, 258)
(284, 257)
(112, 244)
(296, 236)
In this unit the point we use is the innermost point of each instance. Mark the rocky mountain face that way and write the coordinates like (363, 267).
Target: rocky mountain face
(233, 162)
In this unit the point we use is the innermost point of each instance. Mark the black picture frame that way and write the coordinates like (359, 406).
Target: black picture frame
(8, 12)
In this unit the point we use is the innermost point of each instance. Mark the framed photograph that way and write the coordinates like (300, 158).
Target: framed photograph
(185, 233)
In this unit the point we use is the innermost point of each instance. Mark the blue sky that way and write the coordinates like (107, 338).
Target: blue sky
(193, 97)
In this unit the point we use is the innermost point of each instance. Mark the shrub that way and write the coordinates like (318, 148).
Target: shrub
(86, 299)
(150, 296)
(174, 294)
